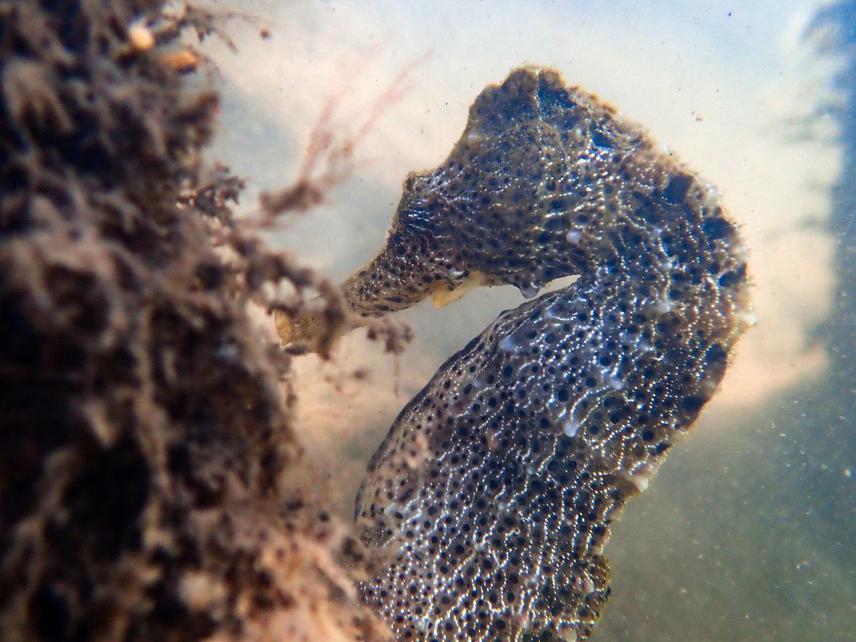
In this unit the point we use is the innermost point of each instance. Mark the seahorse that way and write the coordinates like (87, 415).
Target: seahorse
(491, 498)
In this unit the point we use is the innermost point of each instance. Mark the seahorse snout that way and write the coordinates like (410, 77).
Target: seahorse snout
(421, 257)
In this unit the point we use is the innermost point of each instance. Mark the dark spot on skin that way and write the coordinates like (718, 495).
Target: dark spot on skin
(599, 139)
(733, 277)
(717, 228)
(677, 188)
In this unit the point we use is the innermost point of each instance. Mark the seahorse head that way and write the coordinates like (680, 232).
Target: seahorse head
(539, 176)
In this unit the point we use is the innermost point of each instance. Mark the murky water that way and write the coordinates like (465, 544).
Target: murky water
(746, 533)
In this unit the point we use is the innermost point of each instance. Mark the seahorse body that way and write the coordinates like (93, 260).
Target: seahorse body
(491, 498)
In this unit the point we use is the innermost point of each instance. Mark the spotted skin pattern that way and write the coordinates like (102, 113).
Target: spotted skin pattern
(490, 500)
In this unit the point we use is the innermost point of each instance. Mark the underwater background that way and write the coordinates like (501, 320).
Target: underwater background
(746, 532)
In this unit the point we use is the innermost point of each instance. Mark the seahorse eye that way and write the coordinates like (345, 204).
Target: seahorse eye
(416, 219)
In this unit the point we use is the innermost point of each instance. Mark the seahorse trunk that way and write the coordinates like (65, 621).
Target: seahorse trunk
(492, 496)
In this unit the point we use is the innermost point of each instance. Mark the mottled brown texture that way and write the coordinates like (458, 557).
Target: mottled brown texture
(151, 482)
(491, 498)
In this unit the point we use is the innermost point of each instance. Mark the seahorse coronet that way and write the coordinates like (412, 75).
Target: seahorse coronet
(491, 498)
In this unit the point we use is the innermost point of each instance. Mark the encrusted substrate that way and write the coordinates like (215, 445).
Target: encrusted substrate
(148, 469)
